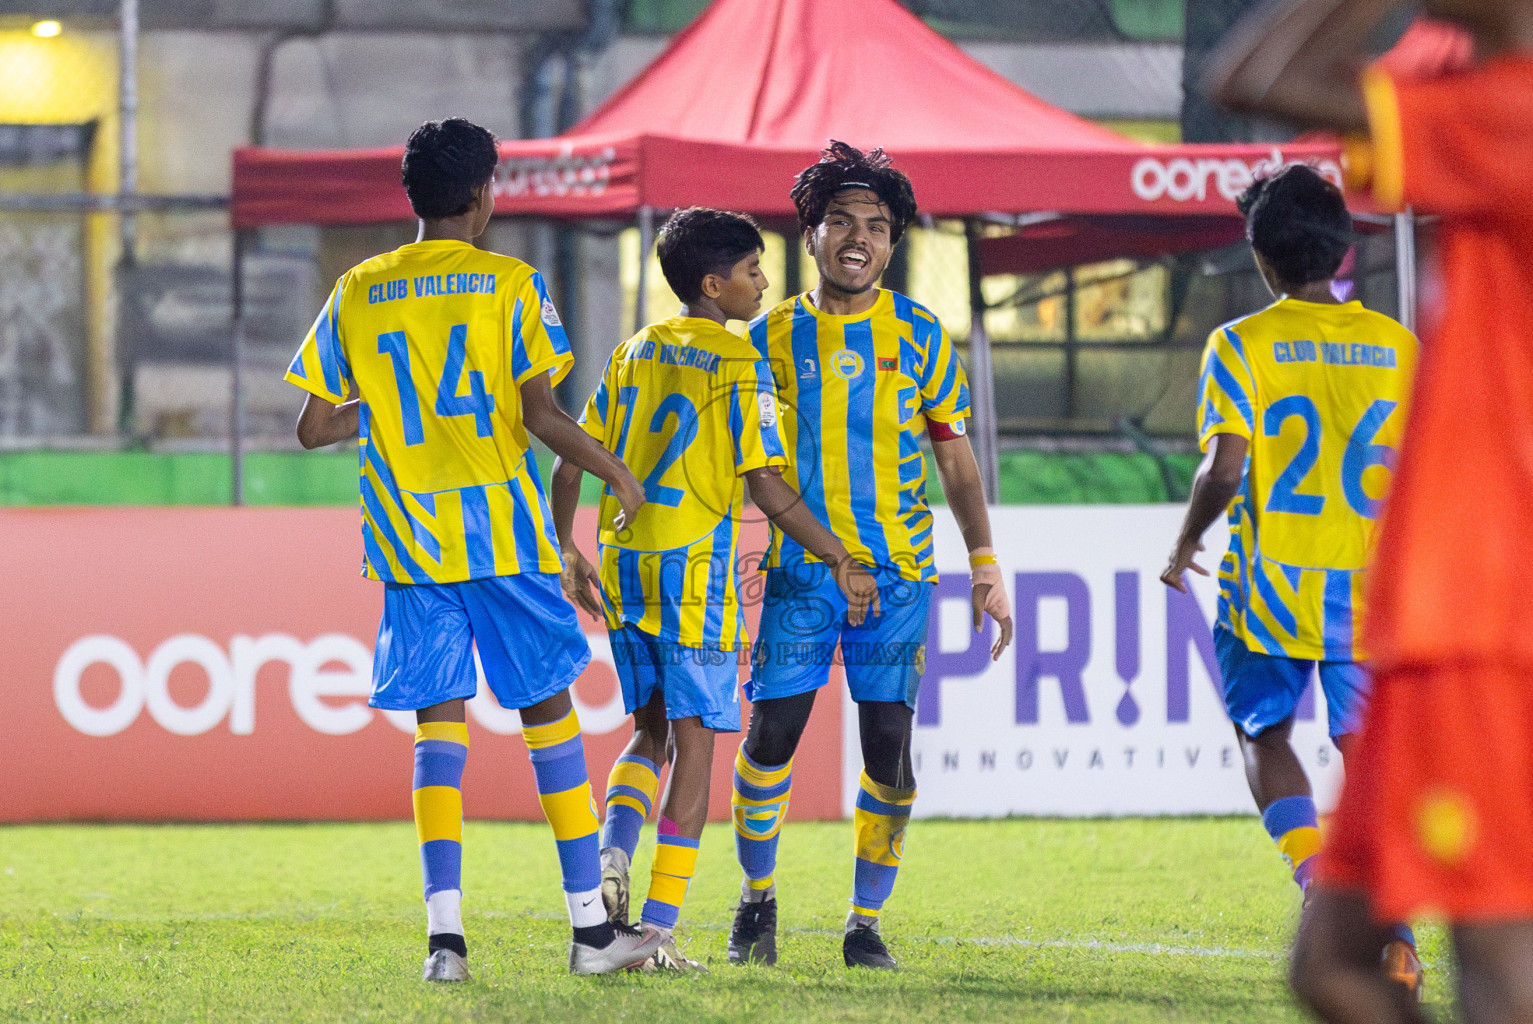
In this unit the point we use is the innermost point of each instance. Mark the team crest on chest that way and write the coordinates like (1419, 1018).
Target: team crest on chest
(846, 364)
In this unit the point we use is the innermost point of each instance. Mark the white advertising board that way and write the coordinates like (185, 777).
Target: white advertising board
(1107, 703)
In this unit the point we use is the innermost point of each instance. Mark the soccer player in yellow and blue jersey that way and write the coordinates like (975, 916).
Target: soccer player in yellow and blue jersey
(693, 407)
(442, 358)
(861, 373)
(1302, 406)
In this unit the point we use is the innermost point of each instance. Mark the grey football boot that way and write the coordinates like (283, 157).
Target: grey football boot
(445, 965)
(630, 947)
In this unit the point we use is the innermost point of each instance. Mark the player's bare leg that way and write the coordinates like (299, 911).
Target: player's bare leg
(1273, 770)
(1335, 965)
(558, 760)
(1274, 773)
(684, 810)
(651, 745)
(1401, 963)
(441, 749)
(1495, 972)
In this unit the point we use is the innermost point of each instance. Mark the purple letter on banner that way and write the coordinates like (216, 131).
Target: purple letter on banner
(940, 664)
(1185, 625)
(1126, 589)
(1065, 665)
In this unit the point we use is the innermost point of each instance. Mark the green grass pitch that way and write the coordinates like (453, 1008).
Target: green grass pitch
(1016, 920)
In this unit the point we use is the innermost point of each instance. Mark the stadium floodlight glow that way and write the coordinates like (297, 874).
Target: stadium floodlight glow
(47, 29)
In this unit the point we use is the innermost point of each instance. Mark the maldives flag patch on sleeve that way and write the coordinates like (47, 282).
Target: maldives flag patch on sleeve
(888, 364)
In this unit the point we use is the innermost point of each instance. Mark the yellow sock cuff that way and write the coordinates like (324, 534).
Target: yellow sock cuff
(452, 732)
(668, 888)
(1299, 845)
(758, 884)
(863, 911)
(438, 813)
(566, 728)
(632, 802)
(880, 838)
(571, 814)
(759, 777)
(680, 861)
(887, 794)
(637, 776)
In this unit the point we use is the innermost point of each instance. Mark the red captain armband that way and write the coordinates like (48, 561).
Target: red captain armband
(941, 431)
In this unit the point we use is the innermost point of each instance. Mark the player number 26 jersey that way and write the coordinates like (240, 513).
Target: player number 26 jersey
(1319, 391)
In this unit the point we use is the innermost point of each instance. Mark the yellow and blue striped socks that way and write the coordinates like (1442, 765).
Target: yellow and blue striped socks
(879, 823)
(564, 789)
(758, 805)
(1294, 826)
(441, 750)
(675, 863)
(631, 790)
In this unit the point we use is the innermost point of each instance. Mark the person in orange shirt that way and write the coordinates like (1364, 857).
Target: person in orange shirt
(1436, 815)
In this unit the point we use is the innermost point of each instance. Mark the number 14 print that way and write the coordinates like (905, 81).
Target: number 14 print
(478, 403)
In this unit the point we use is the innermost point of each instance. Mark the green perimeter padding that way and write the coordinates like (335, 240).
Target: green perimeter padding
(330, 478)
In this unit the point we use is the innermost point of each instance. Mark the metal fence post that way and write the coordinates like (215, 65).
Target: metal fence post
(127, 186)
(981, 375)
(646, 243)
(1405, 266)
(236, 381)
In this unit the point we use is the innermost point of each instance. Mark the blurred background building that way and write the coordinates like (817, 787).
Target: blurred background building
(115, 325)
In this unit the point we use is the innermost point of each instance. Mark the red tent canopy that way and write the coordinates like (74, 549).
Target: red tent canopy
(1426, 49)
(747, 95)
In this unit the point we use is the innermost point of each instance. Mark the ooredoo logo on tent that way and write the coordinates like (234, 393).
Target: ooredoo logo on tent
(564, 175)
(1184, 180)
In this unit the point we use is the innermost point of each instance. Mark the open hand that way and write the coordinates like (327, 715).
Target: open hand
(988, 597)
(580, 582)
(1181, 560)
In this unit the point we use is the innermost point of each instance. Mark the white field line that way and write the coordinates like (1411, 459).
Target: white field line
(1099, 945)
(1083, 944)
(1093, 945)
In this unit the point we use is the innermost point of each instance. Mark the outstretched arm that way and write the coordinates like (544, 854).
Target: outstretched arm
(966, 497)
(321, 423)
(784, 506)
(1298, 61)
(557, 429)
(1217, 483)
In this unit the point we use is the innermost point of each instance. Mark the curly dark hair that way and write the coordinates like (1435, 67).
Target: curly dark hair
(698, 241)
(842, 166)
(446, 164)
(1299, 223)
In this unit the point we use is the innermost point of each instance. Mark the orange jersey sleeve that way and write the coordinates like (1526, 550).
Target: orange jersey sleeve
(1456, 145)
